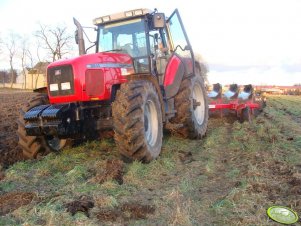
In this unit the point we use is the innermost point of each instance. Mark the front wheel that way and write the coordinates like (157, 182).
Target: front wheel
(34, 146)
(137, 121)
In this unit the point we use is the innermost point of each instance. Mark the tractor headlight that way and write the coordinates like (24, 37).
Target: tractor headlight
(127, 71)
(97, 21)
(54, 87)
(128, 14)
(138, 12)
(65, 86)
(106, 19)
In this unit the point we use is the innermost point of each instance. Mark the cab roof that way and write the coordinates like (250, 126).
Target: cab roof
(121, 16)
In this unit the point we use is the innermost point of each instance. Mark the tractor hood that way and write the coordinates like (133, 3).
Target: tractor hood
(94, 58)
(87, 77)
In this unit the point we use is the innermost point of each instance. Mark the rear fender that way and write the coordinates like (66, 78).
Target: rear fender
(174, 73)
(154, 81)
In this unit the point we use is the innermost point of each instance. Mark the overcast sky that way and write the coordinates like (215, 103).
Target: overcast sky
(243, 41)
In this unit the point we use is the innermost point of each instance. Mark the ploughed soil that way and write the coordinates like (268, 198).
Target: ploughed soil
(230, 177)
(126, 212)
(10, 103)
(14, 200)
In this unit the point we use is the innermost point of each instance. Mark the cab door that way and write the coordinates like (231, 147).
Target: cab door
(181, 62)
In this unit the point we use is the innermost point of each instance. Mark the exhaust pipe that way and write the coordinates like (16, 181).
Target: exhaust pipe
(79, 37)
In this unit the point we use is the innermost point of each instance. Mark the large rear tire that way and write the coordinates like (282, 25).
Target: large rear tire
(191, 107)
(35, 146)
(137, 121)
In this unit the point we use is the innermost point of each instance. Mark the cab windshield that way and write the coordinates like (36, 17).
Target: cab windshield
(127, 37)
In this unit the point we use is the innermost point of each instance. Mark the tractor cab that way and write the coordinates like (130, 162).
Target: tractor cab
(147, 36)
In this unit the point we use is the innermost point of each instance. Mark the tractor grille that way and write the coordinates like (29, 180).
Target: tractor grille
(60, 81)
(94, 82)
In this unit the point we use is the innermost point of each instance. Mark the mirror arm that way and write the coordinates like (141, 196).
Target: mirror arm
(80, 37)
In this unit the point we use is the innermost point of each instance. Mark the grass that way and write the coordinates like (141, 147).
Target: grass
(230, 178)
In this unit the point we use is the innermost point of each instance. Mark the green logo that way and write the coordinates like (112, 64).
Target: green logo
(282, 214)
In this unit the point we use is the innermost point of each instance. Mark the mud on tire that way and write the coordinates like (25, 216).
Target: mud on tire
(191, 108)
(34, 146)
(137, 121)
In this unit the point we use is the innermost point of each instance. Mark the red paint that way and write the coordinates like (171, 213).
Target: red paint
(171, 70)
(79, 64)
(234, 105)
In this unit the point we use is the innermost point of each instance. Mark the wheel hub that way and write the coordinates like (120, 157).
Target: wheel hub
(151, 122)
(55, 143)
(198, 104)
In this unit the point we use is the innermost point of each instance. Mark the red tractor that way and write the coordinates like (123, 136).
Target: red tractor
(143, 77)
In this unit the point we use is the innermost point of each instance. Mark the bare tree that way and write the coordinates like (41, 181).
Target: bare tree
(11, 46)
(55, 40)
(24, 56)
(38, 66)
(1, 44)
(4, 76)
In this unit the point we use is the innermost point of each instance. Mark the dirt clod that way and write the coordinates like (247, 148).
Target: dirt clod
(186, 157)
(112, 171)
(137, 211)
(82, 205)
(13, 200)
(2, 176)
(108, 215)
(126, 212)
(296, 190)
(295, 181)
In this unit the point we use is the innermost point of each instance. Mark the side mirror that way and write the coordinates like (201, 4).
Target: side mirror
(76, 36)
(187, 48)
(158, 20)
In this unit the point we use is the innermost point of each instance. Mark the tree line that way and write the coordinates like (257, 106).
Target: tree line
(47, 44)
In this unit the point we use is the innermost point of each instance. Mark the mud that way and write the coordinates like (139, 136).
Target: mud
(13, 200)
(136, 211)
(113, 171)
(126, 212)
(186, 157)
(10, 103)
(81, 205)
(108, 215)
(2, 176)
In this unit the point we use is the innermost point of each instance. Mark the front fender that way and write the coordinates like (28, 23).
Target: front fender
(41, 90)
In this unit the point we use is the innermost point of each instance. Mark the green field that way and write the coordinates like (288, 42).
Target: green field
(229, 178)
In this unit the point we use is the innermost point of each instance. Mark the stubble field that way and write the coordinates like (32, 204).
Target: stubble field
(229, 178)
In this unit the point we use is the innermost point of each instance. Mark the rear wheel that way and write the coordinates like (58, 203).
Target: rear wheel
(137, 121)
(34, 146)
(191, 108)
